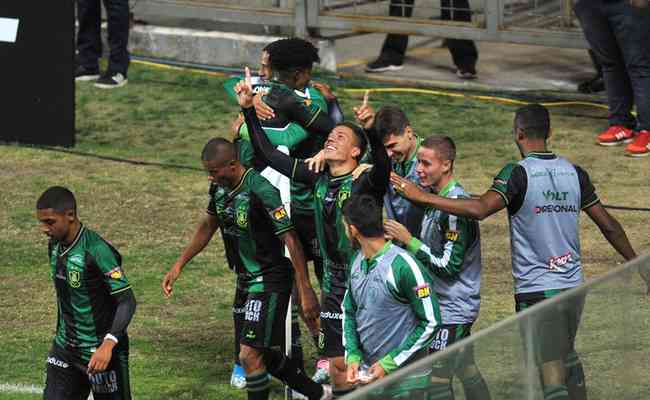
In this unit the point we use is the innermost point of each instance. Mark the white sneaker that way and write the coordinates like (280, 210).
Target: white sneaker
(298, 396)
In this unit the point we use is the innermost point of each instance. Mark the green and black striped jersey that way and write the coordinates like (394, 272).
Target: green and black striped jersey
(252, 217)
(87, 274)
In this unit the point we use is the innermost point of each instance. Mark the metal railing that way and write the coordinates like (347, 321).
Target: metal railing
(540, 22)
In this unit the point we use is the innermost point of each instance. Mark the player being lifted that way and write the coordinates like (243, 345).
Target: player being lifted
(302, 115)
(450, 246)
(256, 227)
(544, 194)
(95, 304)
(390, 312)
(343, 147)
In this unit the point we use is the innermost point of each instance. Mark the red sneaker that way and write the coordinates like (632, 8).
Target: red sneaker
(615, 135)
(640, 147)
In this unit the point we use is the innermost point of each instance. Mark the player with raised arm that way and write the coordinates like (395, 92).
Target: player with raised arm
(544, 194)
(450, 246)
(256, 227)
(95, 304)
(344, 146)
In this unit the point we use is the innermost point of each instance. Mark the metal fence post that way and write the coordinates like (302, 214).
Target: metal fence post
(493, 10)
(300, 14)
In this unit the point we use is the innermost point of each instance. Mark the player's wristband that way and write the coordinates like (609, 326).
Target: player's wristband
(111, 338)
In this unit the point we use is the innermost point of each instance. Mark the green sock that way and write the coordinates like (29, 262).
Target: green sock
(475, 388)
(575, 379)
(441, 391)
(257, 386)
(556, 392)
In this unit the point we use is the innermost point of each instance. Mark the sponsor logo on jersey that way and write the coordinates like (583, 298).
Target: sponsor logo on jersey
(558, 263)
(556, 208)
(115, 273)
(56, 362)
(74, 278)
(253, 309)
(551, 195)
(551, 172)
(330, 315)
(103, 382)
(279, 213)
(422, 291)
(451, 235)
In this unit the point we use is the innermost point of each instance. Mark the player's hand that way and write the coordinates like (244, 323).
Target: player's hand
(396, 231)
(352, 375)
(406, 188)
(101, 357)
(364, 113)
(325, 90)
(169, 279)
(360, 169)
(263, 110)
(376, 372)
(244, 90)
(317, 162)
(310, 308)
(236, 126)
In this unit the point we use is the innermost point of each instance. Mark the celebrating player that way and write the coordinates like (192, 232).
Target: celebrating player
(95, 303)
(256, 227)
(544, 194)
(450, 247)
(344, 146)
(390, 312)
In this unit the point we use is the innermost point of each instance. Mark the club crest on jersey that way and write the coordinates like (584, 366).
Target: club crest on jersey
(422, 291)
(115, 273)
(279, 213)
(242, 217)
(74, 278)
(342, 196)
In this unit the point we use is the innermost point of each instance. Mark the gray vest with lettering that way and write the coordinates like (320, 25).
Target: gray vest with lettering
(459, 297)
(383, 323)
(544, 233)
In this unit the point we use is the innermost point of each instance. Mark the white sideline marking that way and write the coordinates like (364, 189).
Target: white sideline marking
(29, 389)
(8, 29)
(20, 388)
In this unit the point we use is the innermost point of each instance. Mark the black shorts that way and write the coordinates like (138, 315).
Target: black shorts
(67, 378)
(305, 226)
(554, 331)
(330, 341)
(446, 335)
(263, 321)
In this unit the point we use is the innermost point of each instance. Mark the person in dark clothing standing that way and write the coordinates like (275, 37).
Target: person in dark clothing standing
(618, 32)
(463, 52)
(89, 42)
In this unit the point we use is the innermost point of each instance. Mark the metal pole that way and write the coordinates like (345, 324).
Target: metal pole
(300, 14)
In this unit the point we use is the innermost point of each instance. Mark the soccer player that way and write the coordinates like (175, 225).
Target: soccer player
(256, 227)
(402, 146)
(450, 246)
(95, 304)
(390, 313)
(344, 146)
(544, 194)
(299, 124)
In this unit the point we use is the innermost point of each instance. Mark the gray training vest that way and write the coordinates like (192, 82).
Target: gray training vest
(459, 297)
(383, 323)
(544, 233)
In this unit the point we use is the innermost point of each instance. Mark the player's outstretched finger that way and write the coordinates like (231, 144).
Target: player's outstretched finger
(365, 98)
